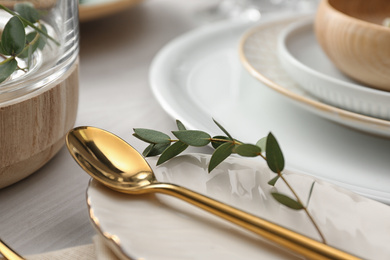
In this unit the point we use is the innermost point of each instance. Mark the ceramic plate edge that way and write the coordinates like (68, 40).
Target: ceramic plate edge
(112, 241)
(354, 88)
(167, 49)
(109, 239)
(300, 99)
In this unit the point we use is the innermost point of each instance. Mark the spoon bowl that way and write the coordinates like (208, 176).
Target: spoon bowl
(110, 160)
(117, 165)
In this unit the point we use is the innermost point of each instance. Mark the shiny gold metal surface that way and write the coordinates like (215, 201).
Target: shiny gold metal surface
(116, 164)
(8, 253)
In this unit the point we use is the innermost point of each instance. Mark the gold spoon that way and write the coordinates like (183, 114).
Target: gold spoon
(8, 253)
(117, 165)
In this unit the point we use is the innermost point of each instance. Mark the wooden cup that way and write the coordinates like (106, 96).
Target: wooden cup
(352, 35)
(33, 127)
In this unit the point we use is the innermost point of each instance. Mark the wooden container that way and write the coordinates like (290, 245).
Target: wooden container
(352, 35)
(33, 126)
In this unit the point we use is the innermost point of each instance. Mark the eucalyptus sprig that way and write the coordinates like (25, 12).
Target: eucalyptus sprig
(15, 43)
(225, 145)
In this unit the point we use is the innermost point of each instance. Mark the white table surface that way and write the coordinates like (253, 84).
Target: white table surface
(48, 211)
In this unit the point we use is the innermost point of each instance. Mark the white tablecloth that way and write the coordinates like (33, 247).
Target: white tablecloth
(48, 211)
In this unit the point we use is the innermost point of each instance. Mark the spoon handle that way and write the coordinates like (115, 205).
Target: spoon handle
(280, 235)
(8, 253)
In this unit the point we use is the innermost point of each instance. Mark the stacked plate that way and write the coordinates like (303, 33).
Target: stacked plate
(299, 69)
(305, 62)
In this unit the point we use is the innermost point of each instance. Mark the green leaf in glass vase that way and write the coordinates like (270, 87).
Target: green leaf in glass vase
(275, 159)
(287, 201)
(193, 137)
(2, 51)
(32, 40)
(27, 11)
(172, 151)
(151, 136)
(220, 154)
(42, 38)
(248, 150)
(7, 67)
(13, 38)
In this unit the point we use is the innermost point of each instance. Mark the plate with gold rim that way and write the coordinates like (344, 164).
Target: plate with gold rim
(159, 227)
(302, 57)
(258, 54)
(198, 76)
(94, 9)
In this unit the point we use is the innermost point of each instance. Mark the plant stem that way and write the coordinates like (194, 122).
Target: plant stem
(30, 24)
(289, 187)
(304, 207)
(7, 59)
(279, 175)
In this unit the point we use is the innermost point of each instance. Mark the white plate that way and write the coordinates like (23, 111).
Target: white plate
(199, 76)
(94, 9)
(305, 62)
(161, 227)
(259, 55)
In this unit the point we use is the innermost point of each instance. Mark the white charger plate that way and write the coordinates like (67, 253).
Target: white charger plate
(199, 76)
(158, 227)
(305, 62)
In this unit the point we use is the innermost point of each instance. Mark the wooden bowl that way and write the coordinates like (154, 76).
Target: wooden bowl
(352, 35)
(33, 126)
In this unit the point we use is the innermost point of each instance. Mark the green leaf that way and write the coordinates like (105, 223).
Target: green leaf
(27, 11)
(287, 201)
(216, 144)
(180, 125)
(13, 38)
(32, 46)
(275, 159)
(220, 154)
(193, 137)
(310, 192)
(273, 181)
(155, 149)
(147, 150)
(2, 51)
(172, 151)
(42, 38)
(248, 150)
(262, 144)
(223, 129)
(7, 68)
(151, 136)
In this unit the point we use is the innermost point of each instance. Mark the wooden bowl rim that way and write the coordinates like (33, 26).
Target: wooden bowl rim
(357, 20)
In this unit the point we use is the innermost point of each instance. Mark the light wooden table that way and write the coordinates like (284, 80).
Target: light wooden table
(48, 211)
